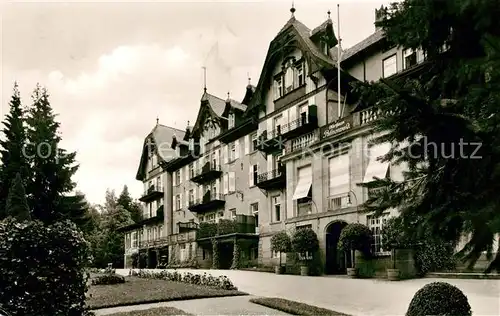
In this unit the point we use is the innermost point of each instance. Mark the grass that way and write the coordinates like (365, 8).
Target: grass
(141, 291)
(160, 311)
(293, 307)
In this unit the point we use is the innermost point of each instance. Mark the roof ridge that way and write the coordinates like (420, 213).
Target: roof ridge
(174, 128)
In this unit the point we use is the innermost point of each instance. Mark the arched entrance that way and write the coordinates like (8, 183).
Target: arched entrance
(335, 262)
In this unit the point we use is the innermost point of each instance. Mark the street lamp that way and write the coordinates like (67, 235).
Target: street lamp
(349, 203)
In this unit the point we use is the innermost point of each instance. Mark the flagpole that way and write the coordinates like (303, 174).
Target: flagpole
(204, 78)
(339, 48)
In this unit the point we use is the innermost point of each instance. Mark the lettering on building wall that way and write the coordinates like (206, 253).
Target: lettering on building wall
(336, 127)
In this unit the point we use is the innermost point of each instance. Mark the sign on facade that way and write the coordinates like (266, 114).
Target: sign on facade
(337, 127)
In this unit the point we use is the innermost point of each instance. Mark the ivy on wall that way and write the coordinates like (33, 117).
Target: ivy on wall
(236, 255)
(215, 254)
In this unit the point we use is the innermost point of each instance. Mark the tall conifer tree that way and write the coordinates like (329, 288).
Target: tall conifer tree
(13, 160)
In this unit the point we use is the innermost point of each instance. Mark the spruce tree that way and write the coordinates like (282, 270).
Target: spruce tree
(134, 208)
(52, 166)
(12, 159)
(17, 205)
(449, 114)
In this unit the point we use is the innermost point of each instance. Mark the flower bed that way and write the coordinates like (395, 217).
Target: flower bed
(160, 311)
(221, 282)
(293, 307)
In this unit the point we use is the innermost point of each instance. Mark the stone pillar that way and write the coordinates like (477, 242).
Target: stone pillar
(168, 204)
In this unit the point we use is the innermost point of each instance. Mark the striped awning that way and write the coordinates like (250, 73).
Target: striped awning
(304, 183)
(377, 168)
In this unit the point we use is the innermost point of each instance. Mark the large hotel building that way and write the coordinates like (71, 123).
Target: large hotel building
(289, 155)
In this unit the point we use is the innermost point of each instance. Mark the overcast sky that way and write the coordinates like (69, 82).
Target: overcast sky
(112, 68)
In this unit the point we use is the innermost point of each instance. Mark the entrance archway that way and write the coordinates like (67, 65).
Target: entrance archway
(335, 262)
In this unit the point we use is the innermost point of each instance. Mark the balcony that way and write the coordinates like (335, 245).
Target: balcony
(210, 201)
(272, 180)
(154, 192)
(301, 142)
(187, 226)
(207, 173)
(339, 202)
(242, 224)
(182, 237)
(305, 124)
(271, 142)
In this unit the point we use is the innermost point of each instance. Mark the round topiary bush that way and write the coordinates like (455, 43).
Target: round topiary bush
(355, 236)
(439, 299)
(305, 241)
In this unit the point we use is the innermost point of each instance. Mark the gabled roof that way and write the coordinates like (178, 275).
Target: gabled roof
(363, 45)
(236, 105)
(300, 34)
(160, 138)
(210, 105)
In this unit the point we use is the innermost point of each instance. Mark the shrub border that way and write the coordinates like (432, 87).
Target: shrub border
(274, 303)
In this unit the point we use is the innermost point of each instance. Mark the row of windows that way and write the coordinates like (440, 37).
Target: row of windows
(410, 58)
(132, 239)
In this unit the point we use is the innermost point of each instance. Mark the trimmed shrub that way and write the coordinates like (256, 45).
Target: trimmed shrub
(108, 279)
(281, 243)
(439, 299)
(43, 269)
(215, 254)
(305, 241)
(394, 235)
(355, 236)
(221, 282)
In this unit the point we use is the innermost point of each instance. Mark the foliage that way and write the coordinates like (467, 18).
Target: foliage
(52, 166)
(281, 243)
(17, 205)
(355, 236)
(221, 282)
(135, 260)
(43, 268)
(304, 241)
(156, 311)
(108, 279)
(394, 235)
(215, 254)
(236, 264)
(134, 208)
(439, 298)
(206, 230)
(433, 255)
(293, 307)
(192, 263)
(226, 226)
(452, 101)
(12, 159)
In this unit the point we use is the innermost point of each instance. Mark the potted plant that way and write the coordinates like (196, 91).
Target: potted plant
(280, 243)
(355, 237)
(393, 238)
(305, 243)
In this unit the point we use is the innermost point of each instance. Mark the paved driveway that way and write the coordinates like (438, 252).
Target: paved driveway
(356, 296)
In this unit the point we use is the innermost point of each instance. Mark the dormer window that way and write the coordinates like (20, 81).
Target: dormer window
(289, 76)
(300, 75)
(191, 144)
(278, 88)
(231, 120)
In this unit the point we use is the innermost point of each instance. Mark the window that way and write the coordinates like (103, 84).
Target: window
(300, 75)
(177, 178)
(253, 175)
(233, 213)
(134, 239)
(191, 170)
(289, 76)
(178, 202)
(304, 183)
(232, 151)
(154, 160)
(159, 184)
(191, 197)
(254, 208)
(231, 181)
(160, 233)
(210, 218)
(376, 224)
(276, 201)
(303, 114)
(277, 161)
(277, 125)
(409, 58)
(255, 142)
(231, 120)
(309, 226)
(214, 161)
(150, 210)
(278, 88)
(389, 66)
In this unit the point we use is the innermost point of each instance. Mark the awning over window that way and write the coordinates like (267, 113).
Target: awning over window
(304, 183)
(377, 168)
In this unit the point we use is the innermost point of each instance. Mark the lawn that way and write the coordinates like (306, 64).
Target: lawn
(141, 291)
(160, 311)
(293, 307)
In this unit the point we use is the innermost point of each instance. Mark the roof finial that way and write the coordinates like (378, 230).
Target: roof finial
(328, 14)
(249, 79)
(157, 120)
(292, 9)
(204, 78)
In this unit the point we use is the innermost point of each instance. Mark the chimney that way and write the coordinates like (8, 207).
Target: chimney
(379, 15)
